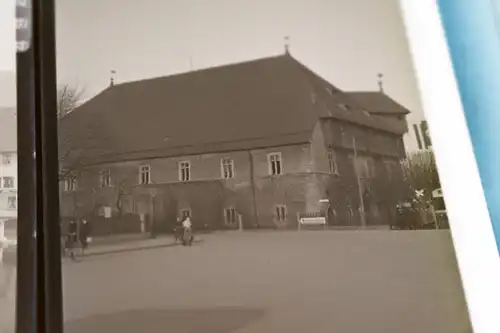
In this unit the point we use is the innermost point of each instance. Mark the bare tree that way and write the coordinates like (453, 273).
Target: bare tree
(78, 141)
(421, 172)
(75, 148)
(68, 98)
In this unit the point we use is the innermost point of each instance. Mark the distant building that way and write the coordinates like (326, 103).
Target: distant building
(8, 163)
(265, 140)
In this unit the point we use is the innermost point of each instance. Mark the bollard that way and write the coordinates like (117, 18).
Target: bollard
(240, 222)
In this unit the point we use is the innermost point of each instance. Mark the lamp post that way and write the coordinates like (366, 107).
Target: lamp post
(327, 206)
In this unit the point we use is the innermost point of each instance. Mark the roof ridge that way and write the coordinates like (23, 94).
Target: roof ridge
(198, 71)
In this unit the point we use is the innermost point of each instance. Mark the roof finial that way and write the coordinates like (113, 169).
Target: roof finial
(287, 44)
(381, 82)
(112, 78)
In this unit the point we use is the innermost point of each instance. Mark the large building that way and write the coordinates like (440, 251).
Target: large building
(266, 140)
(8, 163)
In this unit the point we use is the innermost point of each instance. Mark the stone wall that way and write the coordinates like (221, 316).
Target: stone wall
(253, 192)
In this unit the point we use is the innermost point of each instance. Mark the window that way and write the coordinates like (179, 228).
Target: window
(332, 163)
(7, 159)
(185, 213)
(70, 183)
(144, 174)
(230, 216)
(330, 90)
(275, 164)
(8, 182)
(280, 213)
(105, 178)
(227, 168)
(12, 202)
(184, 171)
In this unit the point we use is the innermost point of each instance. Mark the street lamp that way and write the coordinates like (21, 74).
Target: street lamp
(327, 208)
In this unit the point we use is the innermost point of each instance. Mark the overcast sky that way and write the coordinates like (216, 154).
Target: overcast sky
(347, 42)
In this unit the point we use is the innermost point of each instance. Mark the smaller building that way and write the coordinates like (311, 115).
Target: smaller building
(8, 168)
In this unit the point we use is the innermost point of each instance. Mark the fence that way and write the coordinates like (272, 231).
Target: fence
(431, 218)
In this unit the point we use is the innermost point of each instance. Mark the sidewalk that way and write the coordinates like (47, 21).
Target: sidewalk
(122, 244)
(118, 239)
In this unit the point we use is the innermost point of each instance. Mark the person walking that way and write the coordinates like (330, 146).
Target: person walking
(85, 232)
(187, 231)
(72, 238)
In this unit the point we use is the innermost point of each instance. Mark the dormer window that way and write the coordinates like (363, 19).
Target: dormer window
(345, 107)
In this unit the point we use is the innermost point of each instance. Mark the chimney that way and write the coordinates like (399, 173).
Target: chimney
(426, 138)
(417, 136)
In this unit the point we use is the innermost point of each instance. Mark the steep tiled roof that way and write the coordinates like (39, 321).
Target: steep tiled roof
(377, 102)
(8, 130)
(267, 102)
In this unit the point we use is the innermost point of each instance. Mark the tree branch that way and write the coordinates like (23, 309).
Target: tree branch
(68, 98)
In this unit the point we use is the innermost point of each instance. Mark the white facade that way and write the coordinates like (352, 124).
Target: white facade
(8, 185)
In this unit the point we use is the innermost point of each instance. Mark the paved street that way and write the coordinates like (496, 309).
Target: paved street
(325, 281)
(7, 291)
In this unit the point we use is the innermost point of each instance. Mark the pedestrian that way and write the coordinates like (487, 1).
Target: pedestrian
(62, 235)
(178, 230)
(85, 232)
(72, 238)
(187, 231)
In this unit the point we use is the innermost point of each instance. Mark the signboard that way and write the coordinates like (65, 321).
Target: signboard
(313, 221)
